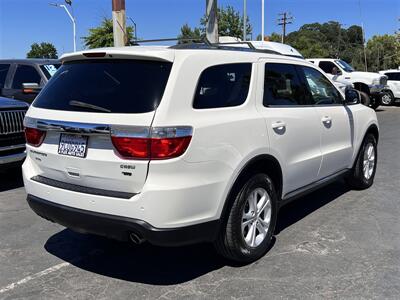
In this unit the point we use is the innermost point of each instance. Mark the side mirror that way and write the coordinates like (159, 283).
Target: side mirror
(352, 96)
(31, 88)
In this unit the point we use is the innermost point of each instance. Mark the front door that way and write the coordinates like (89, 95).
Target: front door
(335, 120)
(293, 125)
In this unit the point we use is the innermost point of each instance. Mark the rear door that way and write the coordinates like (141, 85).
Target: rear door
(394, 83)
(83, 108)
(292, 125)
(23, 74)
(335, 120)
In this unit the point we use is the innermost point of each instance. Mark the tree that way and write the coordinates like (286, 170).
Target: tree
(274, 37)
(230, 23)
(329, 40)
(102, 36)
(383, 52)
(188, 33)
(42, 50)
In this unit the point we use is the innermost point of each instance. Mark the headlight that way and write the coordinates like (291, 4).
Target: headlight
(376, 81)
(380, 81)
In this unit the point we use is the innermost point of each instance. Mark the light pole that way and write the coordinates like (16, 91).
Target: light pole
(70, 16)
(262, 20)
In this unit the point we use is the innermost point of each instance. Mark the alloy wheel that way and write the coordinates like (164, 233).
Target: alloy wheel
(369, 161)
(256, 217)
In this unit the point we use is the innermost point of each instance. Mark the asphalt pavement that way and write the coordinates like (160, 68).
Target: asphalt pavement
(333, 243)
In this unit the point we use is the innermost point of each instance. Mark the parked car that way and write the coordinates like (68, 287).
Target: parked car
(190, 143)
(394, 86)
(374, 85)
(22, 79)
(12, 140)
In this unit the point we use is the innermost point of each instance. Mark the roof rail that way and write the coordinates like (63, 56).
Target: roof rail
(192, 40)
(204, 43)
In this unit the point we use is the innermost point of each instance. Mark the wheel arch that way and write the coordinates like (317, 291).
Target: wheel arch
(372, 129)
(361, 86)
(265, 163)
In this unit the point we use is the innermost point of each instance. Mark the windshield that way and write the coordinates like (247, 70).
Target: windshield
(115, 86)
(344, 65)
(50, 69)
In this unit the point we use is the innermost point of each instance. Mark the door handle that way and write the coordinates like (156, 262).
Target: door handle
(278, 125)
(326, 120)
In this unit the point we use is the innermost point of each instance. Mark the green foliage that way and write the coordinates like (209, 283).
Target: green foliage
(230, 23)
(188, 33)
(274, 37)
(383, 52)
(329, 40)
(102, 36)
(42, 50)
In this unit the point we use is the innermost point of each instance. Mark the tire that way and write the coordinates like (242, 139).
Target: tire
(365, 100)
(387, 98)
(362, 174)
(237, 244)
(375, 102)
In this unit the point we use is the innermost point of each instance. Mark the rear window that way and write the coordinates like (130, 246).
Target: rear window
(223, 86)
(115, 86)
(50, 69)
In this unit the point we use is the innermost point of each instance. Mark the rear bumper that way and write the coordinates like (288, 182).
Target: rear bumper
(119, 228)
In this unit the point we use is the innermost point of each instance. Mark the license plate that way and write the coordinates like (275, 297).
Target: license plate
(73, 145)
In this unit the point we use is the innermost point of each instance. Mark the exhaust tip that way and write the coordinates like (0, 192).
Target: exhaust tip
(136, 238)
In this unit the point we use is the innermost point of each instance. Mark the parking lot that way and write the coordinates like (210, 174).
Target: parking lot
(333, 243)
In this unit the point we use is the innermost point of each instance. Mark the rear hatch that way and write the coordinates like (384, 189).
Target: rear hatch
(73, 125)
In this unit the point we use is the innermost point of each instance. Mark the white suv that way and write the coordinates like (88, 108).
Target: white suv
(190, 143)
(393, 85)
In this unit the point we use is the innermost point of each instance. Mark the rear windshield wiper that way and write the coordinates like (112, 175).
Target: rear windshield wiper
(88, 105)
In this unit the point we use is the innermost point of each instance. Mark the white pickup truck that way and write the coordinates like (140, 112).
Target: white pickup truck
(372, 84)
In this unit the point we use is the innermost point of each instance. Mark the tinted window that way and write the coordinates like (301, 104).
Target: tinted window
(327, 66)
(282, 86)
(50, 69)
(393, 76)
(118, 86)
(3, 74)
(322, 90)
(25, 74)
(223, 86)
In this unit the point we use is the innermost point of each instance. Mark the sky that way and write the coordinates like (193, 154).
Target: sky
(23, 22)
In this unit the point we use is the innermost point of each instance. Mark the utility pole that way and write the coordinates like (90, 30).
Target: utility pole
(244, 20)
(212, 21)
(285, 20)
(365, 47)
(119, 23)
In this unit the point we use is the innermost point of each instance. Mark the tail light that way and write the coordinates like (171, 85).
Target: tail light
(160, 143)
(34, 137)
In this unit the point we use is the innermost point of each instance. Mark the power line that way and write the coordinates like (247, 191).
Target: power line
(285, 20)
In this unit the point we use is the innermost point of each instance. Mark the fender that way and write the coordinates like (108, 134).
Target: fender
(372, 128)
(243, 171)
